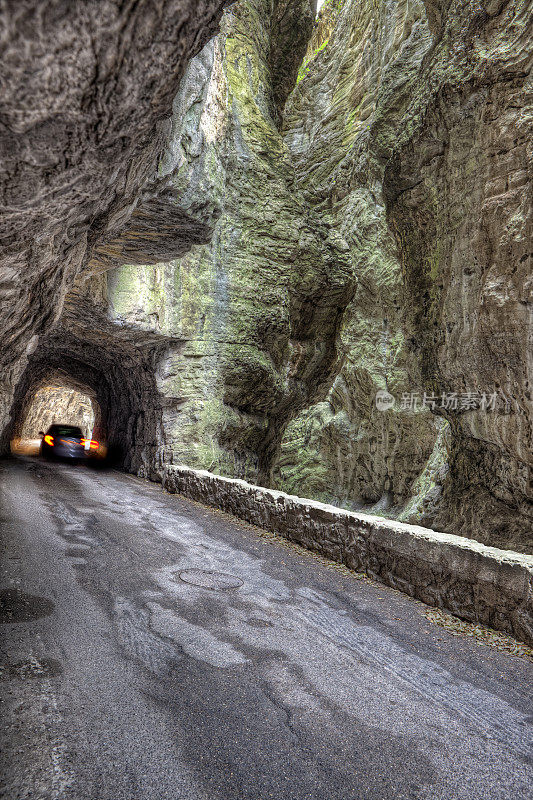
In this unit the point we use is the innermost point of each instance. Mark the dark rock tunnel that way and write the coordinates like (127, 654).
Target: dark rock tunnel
(120, 384)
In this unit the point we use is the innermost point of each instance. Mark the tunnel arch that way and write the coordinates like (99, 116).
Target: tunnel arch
(41, 373)
(118, 375)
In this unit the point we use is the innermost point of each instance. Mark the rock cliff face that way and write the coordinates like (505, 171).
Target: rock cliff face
(341, 124)
(57, 404)
(256, 311)
(458, 191)
(316, 276)
(420, 148)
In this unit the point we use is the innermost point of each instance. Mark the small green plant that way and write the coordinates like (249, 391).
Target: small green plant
(306, 63)
(331, 8)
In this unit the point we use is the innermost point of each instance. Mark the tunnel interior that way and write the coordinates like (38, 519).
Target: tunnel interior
(116, 378)
(52, 404)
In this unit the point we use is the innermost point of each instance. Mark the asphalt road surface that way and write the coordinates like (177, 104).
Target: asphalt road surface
(276, 677)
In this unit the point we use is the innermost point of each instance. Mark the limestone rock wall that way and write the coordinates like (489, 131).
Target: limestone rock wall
(459, 202)
(412, 128)
(257, 311)
(346, 223)
(341, 123)
(58, 404)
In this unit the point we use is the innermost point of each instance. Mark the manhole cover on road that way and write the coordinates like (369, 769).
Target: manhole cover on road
(210, 580)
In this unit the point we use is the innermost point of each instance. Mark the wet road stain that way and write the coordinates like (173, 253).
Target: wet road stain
(17, 606)
(31, 668)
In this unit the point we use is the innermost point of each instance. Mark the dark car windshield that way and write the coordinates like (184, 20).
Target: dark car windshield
(66, 430)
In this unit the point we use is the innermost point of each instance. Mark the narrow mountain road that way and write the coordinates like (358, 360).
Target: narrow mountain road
(152, 648)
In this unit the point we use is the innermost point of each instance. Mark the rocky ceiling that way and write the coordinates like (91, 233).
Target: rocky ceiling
(87, 90)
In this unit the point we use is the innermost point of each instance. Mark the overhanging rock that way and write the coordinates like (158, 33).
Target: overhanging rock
(478, 583)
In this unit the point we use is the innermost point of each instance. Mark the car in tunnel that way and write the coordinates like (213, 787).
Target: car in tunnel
(66, 442)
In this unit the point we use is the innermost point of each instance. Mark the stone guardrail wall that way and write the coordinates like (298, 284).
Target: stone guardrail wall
(478, 583)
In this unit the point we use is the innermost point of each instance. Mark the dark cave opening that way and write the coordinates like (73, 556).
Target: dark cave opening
(119, 384)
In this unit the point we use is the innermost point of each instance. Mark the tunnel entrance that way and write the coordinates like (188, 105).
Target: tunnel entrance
(117, 376)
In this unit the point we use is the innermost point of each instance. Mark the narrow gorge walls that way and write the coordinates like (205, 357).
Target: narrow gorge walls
(460, 206)
(258, 309)
(404, 135)
(419, 148)
(341, 124)
(296, 253)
